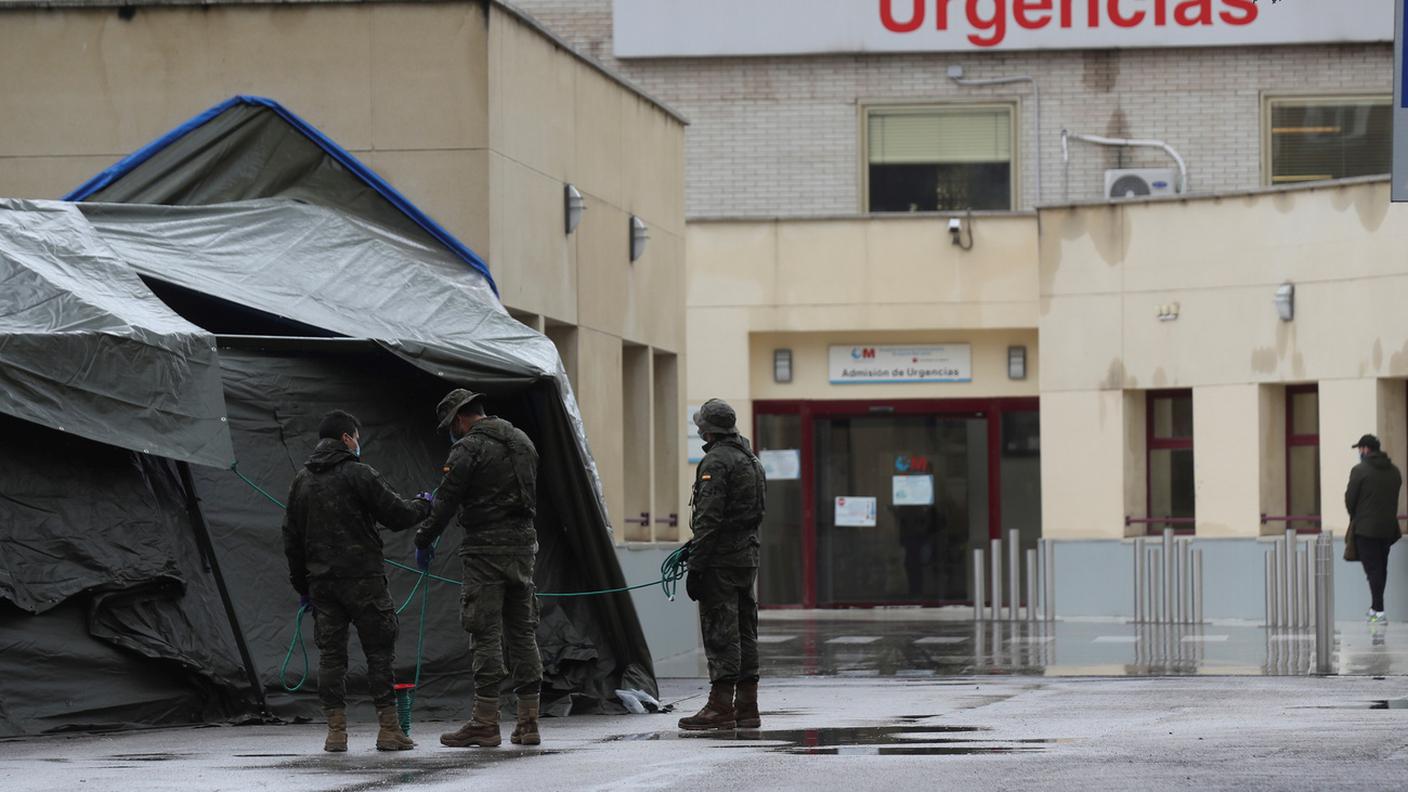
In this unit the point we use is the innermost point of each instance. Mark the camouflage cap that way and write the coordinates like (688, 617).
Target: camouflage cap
(454, 401)
(716, 417)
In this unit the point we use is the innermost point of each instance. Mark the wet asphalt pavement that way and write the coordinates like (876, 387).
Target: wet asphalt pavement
(821, 733)
(872, 701)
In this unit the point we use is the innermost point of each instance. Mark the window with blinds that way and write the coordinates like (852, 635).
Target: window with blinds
(1314, 139)
(926, 159)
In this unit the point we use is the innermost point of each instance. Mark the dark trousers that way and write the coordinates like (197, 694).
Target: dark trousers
(1373, 554)
(499, 610)
(363, 603)
(728, 619)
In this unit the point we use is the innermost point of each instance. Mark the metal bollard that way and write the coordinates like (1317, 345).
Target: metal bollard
(1175, 584)
(995, 585)
(1156, 601)
(1041, 573)
(1307, 595)
(1139, 580)
(1014, 574)
(1031, 585)
(1324, 615)
(1270, 571)
(1292, 593)
(1198, 586)
(1278, 549)
(1049, 591)
(979, 584)
(1185, 577)
(1166, 608)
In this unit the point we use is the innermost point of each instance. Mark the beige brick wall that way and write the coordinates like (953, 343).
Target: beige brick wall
(780, 136)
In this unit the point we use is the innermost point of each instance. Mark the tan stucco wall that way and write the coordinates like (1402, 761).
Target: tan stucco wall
(469, 111)
(759, 285)
(1105, 270)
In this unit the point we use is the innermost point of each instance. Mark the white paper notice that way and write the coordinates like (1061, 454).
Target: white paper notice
(784, 464)
(855, 512)
(913, 490)
(694, 444)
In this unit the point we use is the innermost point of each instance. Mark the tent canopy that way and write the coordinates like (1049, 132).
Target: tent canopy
(210, 297)
(86, 348)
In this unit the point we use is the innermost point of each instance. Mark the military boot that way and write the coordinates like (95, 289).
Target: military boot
(482, 731)
(337, 731)
(745, 705)
(717, 712)
(390, 737)
(526, 732)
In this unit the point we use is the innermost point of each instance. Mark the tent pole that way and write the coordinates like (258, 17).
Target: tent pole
(207, 548)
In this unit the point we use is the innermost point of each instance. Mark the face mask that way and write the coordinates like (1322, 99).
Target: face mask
(357, 452)
(453, 439)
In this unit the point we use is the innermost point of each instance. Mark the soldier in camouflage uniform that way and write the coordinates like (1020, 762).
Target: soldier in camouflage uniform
(728, 503)
(335, 563)
(491, 484)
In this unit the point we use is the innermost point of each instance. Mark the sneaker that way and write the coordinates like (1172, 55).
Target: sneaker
(1377, 617)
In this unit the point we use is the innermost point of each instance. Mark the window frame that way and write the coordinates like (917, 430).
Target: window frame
(1302, 441)
(1269, 99)
(1014, 110)
(1152, 443)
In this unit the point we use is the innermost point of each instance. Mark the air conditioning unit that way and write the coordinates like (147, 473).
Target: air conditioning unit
(1139, 182)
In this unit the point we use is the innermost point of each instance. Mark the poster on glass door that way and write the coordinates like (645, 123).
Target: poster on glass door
(855, 512)
(912, 490)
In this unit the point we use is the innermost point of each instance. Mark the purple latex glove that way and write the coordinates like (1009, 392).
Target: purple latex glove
(424, 555)
(305, 601)
(428, 497)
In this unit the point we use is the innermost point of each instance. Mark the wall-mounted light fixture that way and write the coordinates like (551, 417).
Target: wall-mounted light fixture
(1286, 301)
(1017, 362)
(1168, 312)
(576, 205)
(639, 235)
(782, 365)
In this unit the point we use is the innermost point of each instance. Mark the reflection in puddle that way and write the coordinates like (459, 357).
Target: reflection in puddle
(895, 740)
(1400, 703)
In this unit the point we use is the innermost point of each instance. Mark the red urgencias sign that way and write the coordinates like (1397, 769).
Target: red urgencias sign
(721, 28)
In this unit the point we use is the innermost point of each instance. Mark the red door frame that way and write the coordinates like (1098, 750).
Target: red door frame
(1152, 442)
(992, 409)
(1293, 440)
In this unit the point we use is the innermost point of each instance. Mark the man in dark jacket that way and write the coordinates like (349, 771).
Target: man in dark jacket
(335, 562)
(1372, 500)
(491, 484)
(728, 504)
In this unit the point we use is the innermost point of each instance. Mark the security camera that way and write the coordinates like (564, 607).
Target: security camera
(956, 233)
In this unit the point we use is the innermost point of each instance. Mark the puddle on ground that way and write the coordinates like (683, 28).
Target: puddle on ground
(384, 770)
(898, 740)
(913, 750)
(148, 757)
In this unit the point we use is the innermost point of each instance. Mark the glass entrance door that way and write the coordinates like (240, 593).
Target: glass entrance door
(899, 499)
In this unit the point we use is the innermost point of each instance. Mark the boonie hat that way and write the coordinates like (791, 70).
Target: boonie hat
(454, 401)
(716, 417)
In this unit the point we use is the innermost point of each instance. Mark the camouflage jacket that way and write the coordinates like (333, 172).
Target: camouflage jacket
(730, 493)
(330, 526)
(491, 482)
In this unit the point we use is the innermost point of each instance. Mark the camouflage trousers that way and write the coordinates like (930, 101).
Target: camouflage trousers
(499, 610)
(366, 604)
(728, 619)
